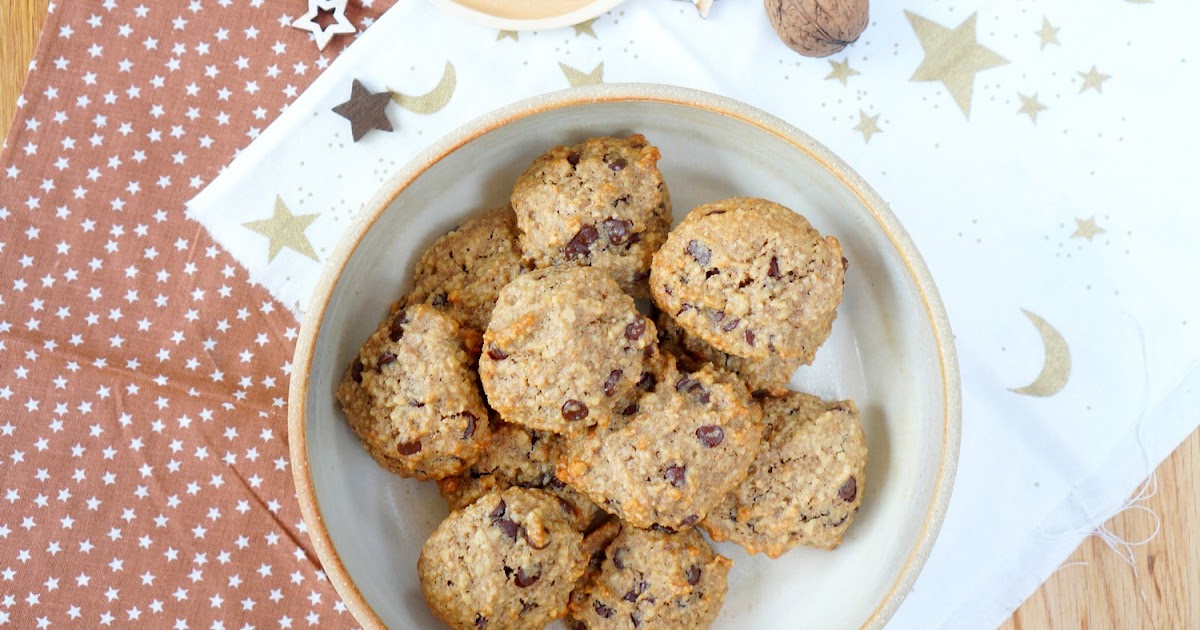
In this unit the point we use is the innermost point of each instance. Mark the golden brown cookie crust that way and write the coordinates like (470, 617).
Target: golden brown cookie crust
(806, 484)
(601, 203)
(751, 278)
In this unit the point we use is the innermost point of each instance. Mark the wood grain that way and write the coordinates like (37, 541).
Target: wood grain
(1104, 593)
(20, 24)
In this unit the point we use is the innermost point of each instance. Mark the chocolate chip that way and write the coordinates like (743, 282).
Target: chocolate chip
(618, 164)
(470, 430)
(693, 575)
(676, 474)
(525, 580)
(662, 528)
(691, 519)
(573, 158)
(602, 610)
(500, 509)
(710, 435)
(630, 410)
(848, 491)
(480, 621)
(636, 618)
(617, 559)
(667, 290)
(573, 410)
(387, 358)
(525, 535)
(845, 264)
(649, 350)
(618, 230)
(773, 268)
(440, 300)
(647, 382)
(496, 353)
(632, 594)
(710, 273)
(623, 199)
(634, 330)
(750, 337)
(717, 316)
(396, 330)
(416, 404)
(510, 528)
(527, 606)
(610, 385)
(731, 324)
(698, 251)
(356, 369)
(581, 243)
(409, 448)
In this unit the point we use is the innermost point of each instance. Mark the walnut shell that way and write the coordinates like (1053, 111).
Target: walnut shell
(817, 28)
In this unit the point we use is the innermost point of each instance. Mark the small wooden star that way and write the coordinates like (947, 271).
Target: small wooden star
(308, 21)
(365, 110)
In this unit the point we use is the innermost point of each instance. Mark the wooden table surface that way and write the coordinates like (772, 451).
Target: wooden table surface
(1103, 592)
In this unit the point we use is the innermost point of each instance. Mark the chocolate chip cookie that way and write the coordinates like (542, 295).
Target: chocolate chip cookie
(601, 203)
(518, 457)
(652, 579)
(564, 348)
(463, 271)
(687, 444)
(751, 278)
(806, 484)
(766, 376)
(412, 398)
(509, 560)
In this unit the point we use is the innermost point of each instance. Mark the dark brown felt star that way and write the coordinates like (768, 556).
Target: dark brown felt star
(365, 111)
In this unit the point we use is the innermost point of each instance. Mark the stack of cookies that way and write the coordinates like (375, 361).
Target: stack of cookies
(581, 442)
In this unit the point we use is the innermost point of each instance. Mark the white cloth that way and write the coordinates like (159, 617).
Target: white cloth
(992, 200)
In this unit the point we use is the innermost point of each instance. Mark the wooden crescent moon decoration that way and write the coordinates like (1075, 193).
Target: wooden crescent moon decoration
(1057, 366)
(432, 100)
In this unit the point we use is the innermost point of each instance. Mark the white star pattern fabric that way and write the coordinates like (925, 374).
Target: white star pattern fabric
(144, 476)
(1025, 184)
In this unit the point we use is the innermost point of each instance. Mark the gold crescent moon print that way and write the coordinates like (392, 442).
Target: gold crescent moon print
(1056, 368)
(434, 99)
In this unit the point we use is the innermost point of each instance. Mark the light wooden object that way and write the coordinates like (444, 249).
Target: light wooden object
(1103, 594)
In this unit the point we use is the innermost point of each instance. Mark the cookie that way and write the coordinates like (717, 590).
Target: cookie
(687, 444)
(518, 457)
(509, 560)
(653, 579)
(564, 348)
(412, 398)
(766, 376)
(806, 484)
(601, 203)
(462, 272)
(751, 278)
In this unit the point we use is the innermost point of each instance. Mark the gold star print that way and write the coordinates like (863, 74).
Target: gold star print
(577, 77)
(868, 125)
(841, 71)
(1086, 229)
(1048, 34)
(585, 28)
(1093, 79)
(513, 35)
(952, 56)
(285, 229)
(1031, 106)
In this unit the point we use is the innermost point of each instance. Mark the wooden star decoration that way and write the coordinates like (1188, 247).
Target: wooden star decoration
(1093, 80)
(868, 125)
(578, 77)
(1087, 228)
(341, 25)
(1030, 106)
(840, 70)
(953, 56)
(365, 110)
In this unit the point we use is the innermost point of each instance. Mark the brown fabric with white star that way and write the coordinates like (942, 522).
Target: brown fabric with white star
(144, 476)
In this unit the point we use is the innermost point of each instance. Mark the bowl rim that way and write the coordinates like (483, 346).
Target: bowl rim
(483, 18)
(606, 93)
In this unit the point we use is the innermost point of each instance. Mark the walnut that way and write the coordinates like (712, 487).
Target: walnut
(817, 28)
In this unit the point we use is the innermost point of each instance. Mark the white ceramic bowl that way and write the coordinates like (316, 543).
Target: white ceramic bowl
(891, 351)
(526, 15)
